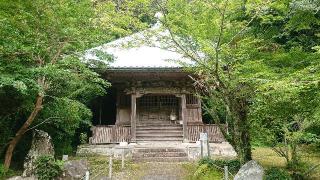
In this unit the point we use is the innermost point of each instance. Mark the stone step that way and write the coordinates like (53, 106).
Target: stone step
(157, 150)
(159, 124)
(156, 123)
(162, 131)
(159, 154)
(156, 138)
(158, 134)
(159, 128)
(162, 134)
(161, 159)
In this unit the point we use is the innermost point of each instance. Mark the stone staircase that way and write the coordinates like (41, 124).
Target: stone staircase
(159, 132)
(159, 154)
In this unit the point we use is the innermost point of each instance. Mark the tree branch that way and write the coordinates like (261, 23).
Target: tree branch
(44, 121)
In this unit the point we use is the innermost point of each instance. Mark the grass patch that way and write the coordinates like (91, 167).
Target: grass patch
(99, 165)
(196, 171)
(268, 158)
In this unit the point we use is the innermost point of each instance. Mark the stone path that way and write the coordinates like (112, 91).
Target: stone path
(154, 171)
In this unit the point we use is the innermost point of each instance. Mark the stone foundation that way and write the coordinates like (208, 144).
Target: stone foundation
(217, 150)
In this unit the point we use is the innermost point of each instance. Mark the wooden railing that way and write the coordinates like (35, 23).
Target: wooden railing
(214, 133)
(110, 134)
(116, 134)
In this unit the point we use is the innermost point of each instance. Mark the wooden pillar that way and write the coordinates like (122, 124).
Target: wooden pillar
(118, 109)
(133, 117)
(199, 110)
(183, 117)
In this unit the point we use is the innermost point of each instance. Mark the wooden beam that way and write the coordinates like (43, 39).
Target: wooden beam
(156, 90)
(183, 117)
(133, 117)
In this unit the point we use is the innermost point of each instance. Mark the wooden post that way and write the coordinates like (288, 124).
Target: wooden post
(133, 117)
(183, 117)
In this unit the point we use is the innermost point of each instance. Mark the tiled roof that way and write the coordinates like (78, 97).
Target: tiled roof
(146, 53)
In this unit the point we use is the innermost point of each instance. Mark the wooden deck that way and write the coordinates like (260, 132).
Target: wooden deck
(214, 133)
(110, 134)
(117, 133)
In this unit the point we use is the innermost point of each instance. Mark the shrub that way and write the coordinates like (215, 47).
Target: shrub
(47, 168)
(5, 173)
(300, 170)
(83, 138)
(205, 172)
(202, 169)
(276, 173)
(2, 170)
(233, 164)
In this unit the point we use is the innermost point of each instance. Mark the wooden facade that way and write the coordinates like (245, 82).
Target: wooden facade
(150, 98)
(117, 134)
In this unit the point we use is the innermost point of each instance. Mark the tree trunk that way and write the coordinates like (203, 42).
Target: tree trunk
(245, 136)
(22, 130)
(247, 154)
(241, 109)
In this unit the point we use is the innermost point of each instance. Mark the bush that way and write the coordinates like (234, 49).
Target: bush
(47, 168)
(205, 172)
(300, 170)
(276, 173)
(233, 164)
(2, 170)
(5, 173)
(83, 138)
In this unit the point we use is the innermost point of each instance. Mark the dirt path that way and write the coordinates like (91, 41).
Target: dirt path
(155, 171)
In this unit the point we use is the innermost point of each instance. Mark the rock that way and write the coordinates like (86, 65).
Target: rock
(41, 145)
(250, 171)
(75, 169)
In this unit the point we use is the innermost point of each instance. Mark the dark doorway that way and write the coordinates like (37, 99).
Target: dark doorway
(104, 108)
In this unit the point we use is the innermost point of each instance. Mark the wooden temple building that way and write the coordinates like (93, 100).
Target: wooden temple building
(151, 98)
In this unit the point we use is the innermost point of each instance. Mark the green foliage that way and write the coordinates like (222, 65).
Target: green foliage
(290, 23)
(211, 34)
(83, 138)
(7, 173)
(206, 172)
(257, 64)
(47, 168)
(233, 164)
(41, 51)
(3, 170)
(300, 169)
(213, 169)
(276, 173)
(286, 73)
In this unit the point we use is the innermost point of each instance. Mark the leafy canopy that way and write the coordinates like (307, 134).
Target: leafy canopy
(41, 46)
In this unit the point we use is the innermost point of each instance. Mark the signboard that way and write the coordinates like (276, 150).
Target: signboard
(203, 136)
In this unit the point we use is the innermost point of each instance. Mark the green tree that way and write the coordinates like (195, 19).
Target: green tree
(286, 109)
(213, 35)
(253, 60)
(42, 77)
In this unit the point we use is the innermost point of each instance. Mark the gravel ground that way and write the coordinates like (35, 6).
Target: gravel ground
(154, 171)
